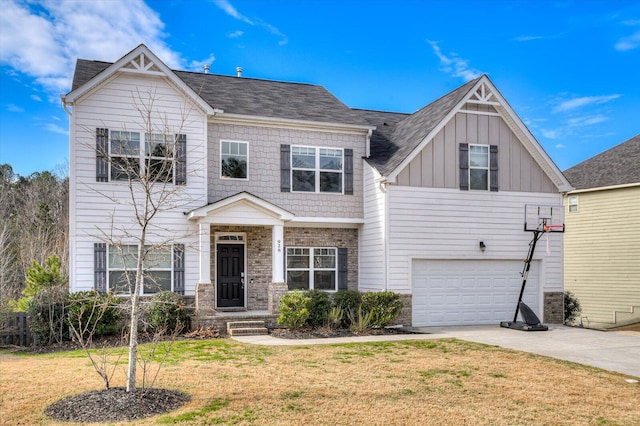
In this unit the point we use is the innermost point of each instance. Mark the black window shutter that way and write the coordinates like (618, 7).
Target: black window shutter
(178, 268)
(348, 171)
(102, 155)
(100, 267)
(464, 166)
(285, 168)
(181, 159)
(493, 167)
(343, 268)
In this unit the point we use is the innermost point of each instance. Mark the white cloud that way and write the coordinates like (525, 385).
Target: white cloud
(587, 120)
(584, 101)
(235, 34)
(36, 98)
(199, 65)
(628, 43)
(559, 146)
(14, 108)
(54, 128)
(44, 40)
(453, 64)
(230, 10)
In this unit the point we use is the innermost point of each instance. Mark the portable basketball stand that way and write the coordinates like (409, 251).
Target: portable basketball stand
(542, 218)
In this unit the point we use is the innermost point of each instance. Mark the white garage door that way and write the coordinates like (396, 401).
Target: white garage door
(470, 292)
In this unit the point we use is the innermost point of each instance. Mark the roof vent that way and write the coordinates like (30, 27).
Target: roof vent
(239, 71)
(206, 69)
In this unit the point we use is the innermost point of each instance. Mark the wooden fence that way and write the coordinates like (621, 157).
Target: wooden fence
(14, 329)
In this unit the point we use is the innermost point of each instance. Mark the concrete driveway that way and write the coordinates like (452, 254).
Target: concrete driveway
(617, 351)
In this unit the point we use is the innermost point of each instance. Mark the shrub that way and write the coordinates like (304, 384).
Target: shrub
(166, 314)
(294, 309)
(335, 317)
(319, 308)
(360, 320)
(46, 311)
(348, 301)
(384, 307)
(572, 308)
(93, 314)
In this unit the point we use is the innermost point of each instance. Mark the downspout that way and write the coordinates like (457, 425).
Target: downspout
(382, 184)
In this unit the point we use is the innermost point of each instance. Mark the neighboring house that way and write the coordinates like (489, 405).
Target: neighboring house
(602, 241)
(282, 186)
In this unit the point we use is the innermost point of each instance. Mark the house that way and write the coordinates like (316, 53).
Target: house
(602, 241)
(280, 186)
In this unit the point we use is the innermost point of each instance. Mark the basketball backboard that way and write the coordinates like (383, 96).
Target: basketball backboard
(543, 218)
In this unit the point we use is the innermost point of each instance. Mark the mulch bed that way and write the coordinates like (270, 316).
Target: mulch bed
(116, 405)
(327, 332)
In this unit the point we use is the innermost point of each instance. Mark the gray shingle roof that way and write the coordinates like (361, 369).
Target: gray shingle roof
(247, 96)
(396, 136)
(617, 166)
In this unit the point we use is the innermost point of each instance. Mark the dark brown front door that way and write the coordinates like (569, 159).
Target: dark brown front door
(230, 275)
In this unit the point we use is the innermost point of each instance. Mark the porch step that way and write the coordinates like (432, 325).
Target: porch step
(246, 328)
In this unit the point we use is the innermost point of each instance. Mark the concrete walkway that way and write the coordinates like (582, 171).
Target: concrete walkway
(617, 351)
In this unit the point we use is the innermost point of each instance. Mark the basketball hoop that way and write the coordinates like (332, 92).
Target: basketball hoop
(553, 228)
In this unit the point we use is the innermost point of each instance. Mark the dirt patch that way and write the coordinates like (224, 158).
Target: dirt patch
(116, 405)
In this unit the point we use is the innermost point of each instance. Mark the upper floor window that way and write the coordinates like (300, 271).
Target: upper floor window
(234, 160)
(573, 204)
(312, 268)
(316, 169)
(479, 167)
(121, 155)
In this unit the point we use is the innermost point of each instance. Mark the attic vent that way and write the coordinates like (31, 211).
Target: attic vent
(206, 69)
(239, 71)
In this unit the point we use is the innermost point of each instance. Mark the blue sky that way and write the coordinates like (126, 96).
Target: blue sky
(570, 69)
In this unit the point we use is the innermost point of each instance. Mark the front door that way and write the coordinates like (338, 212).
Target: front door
(230, 275)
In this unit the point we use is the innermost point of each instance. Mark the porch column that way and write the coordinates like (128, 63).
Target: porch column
(205, 253)
(277, 253)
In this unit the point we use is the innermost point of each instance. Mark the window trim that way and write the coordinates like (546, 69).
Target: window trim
(171, 269)
(143, 160)
(312, 268)
(246, 143)
(487, 168)
(317, 170)
(575, 205)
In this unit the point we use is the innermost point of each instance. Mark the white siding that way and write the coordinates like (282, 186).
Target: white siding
(372, 234)
(449, 224)
(99, 208)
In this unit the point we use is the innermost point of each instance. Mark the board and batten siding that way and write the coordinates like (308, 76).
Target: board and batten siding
(372, 234)
(426, 223)
(602, 252)
(437, 165)
(264, 168)
(116, 105)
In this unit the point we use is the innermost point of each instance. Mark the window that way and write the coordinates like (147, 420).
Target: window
(158, 268)
(125, 154)
(479, 167)
(159, 155)
(312, 268)
(316, 169)
(573, 204)
(234, 158)
(120, 156)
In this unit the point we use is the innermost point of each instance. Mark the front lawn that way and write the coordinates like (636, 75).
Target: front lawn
(412, 382)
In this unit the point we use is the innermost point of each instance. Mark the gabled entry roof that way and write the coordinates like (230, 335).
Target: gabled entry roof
(242, 208)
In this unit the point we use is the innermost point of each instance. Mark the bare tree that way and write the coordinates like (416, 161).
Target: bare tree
(151, 166)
